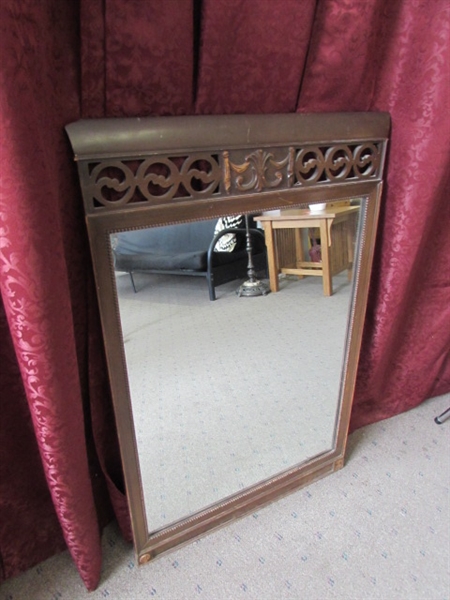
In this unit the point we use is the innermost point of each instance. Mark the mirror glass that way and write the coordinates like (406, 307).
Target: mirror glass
(227, 394)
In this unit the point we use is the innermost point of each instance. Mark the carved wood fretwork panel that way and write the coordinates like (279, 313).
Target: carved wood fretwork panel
(156, 180)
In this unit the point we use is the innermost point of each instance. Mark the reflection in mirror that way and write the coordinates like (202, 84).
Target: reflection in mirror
(227, 394)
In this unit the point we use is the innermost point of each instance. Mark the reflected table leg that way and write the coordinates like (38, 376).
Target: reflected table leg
(325, 243)
(351, 228)
(271, 256)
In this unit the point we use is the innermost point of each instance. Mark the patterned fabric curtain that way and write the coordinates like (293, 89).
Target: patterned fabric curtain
(60, 474)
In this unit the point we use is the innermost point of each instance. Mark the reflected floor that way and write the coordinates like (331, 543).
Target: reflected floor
(227, 393)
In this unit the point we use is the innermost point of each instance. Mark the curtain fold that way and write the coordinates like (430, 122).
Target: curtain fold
(43, 277)
(406, 347)
(23, 537)
(252, 55)
(137, 58)
(62, 61)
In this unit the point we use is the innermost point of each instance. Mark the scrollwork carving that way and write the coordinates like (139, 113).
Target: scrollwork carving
(309, 165)
(338, 162)
(158, 179)
(119, 191)
(257, 166)
(366, 160)
(210, 174)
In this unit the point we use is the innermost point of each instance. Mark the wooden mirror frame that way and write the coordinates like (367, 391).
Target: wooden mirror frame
(246, 164)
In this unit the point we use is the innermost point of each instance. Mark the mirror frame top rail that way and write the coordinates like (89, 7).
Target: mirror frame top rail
(144, 172)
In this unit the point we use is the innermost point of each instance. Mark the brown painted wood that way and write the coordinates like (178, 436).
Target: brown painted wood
(137, 173)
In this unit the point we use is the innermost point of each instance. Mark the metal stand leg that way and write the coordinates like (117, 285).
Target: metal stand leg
(132, 282)
(251, 287)
(443, 417)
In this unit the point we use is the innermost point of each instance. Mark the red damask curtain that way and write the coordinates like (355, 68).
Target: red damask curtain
(60, 476)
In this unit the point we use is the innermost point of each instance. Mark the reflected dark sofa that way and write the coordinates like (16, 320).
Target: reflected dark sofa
(188, 249)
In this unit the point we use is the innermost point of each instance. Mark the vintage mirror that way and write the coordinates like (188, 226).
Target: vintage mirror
(223, 406)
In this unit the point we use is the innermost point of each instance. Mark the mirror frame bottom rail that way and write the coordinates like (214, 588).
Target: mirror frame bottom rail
(138, 173)
(238, 506)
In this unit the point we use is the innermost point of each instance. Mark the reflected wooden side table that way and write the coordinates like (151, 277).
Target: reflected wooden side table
(285, 253)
